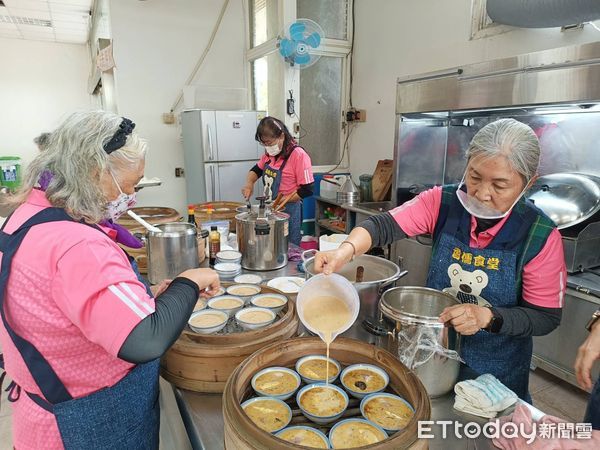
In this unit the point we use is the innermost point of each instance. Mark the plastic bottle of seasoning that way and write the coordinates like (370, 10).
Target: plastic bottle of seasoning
(191, 217)
(214, 245)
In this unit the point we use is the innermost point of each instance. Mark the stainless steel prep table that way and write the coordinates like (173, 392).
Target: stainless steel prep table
(203, 417)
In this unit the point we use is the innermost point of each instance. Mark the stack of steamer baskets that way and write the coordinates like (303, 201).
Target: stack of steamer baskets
(241, 432)
(204, 362)
(154, 215)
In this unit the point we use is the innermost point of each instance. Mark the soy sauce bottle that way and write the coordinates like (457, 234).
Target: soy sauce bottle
(214, 245)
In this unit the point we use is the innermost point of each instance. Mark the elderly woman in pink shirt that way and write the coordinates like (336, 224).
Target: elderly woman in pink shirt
(495, 251)
(80, 332)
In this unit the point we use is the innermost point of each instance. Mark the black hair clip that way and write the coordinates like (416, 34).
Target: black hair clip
(120, 136)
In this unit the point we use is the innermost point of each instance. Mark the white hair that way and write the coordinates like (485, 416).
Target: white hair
(512, 139)
(76, 159)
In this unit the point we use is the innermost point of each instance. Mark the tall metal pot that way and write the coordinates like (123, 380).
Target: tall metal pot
(171, 251)
(262, 237)
(378, 276)
(409, 315)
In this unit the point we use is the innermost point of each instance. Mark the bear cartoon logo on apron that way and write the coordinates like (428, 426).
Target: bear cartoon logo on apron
(489, 276)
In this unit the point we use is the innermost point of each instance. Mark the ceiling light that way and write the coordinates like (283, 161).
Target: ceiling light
(17, 20)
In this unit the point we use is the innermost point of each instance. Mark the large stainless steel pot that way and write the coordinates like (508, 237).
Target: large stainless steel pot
(409, 315)
(171, 251)
(263, 237)
(379, 274)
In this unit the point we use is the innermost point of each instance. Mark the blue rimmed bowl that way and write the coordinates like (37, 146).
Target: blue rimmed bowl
(371, 414)
(362, 384)
(265, 424)
(341, 427)
(274, 376)
(318, 391)
(309, 379)
(298, 440)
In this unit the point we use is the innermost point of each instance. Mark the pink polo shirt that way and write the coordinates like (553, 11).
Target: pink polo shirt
(296, 172)
(544, 277)
(73, 295)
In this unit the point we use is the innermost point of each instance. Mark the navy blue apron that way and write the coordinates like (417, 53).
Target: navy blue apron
(506, 357)
(122, 416)
(272, 181)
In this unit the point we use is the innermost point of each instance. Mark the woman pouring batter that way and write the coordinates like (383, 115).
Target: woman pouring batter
(286, 170)
(495, 251)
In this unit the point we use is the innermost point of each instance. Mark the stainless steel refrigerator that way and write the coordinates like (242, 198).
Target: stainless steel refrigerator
(219, 150)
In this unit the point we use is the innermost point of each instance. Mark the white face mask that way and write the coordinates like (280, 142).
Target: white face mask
(117, 207)
(272, 150)
(479, 209)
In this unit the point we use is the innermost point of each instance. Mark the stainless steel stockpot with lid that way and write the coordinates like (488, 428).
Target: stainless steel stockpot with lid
(410, 328)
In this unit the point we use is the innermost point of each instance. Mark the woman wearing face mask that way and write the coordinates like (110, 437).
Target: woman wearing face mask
(80, 333)
(286, 171)
(494, 250)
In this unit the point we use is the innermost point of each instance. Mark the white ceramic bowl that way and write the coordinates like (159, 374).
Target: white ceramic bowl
(282, 395)
(227, 267)
(210, 329)
(365, 401)
(252, 289)
(248, 278)
(312, 416)
(229, 256)
(354, 419)
(239, 318)
(200, 304)
(353, 390)
(213, 303)
(309, 380)
(257, 299)
(285, 422)
(302, 427)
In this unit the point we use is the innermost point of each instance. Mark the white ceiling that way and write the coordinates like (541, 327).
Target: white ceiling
(46, 20)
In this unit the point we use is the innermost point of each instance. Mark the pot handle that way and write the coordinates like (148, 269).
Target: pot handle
(387, 284)
(377, 330)
(310, 251)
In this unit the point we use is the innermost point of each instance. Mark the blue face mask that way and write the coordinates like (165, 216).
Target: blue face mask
(117, 207)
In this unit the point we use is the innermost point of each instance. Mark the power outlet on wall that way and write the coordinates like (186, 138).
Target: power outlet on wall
(356, 115)
(179, 172)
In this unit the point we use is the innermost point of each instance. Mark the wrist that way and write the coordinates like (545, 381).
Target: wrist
(348, 250)
(487, 318)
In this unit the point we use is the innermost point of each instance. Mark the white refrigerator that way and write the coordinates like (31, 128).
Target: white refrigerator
(219, 149)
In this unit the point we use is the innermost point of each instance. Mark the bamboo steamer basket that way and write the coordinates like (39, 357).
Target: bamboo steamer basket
(221, 211)
(242, 434)
(203, 363)
(152, 214)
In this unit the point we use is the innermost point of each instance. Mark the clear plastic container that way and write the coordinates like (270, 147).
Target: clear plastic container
(366, 187)
(330, 285)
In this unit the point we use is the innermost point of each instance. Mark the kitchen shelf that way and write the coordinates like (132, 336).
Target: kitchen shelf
(326, 225)
(323, 223)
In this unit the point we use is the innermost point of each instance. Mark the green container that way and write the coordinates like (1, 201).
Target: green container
(10, 171)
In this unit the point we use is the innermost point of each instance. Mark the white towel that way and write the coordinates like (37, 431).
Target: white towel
(484, 396)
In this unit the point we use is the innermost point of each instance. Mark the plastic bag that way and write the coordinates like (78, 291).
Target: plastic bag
(418, 344)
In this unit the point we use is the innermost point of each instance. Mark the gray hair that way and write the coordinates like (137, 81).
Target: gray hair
(42, 140)
(512, 139)
(76, 159)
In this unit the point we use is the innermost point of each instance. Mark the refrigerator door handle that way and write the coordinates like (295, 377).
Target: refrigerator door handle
(212, 183)
(210, 144)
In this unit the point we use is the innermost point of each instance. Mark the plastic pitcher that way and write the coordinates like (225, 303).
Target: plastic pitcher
(328, 285)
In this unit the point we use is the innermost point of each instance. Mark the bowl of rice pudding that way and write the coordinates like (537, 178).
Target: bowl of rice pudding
(267, 413)
(244, 291)
(226, 303)
(274, 302)
(305, 436)
(207, 321)
(353, 433)
(389, 411)
(277, 382)
(322, 403)
(363, 379)
(254, 318)
(313, 369)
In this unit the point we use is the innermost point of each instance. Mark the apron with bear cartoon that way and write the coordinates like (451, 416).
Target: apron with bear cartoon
(488, 276)
(272, 181)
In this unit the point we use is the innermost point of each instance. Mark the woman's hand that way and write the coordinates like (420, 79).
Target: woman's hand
(332, 260)
(247, 190)
(467, 319)
(206, 279)
(159, 288)
(588, 353)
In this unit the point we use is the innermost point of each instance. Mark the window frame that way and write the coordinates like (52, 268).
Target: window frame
(337, 48)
